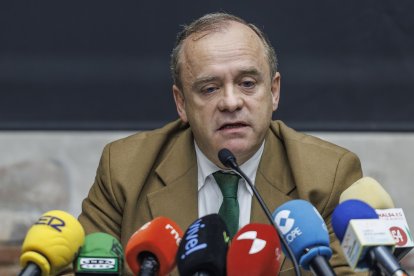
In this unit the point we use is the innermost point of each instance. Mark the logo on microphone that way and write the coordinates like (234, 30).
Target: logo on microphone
(257, 244)
(192, 239)
(98, 263)
(174, 233)
(284, 222)
(399, 235)
(52, 221)
(286, 225)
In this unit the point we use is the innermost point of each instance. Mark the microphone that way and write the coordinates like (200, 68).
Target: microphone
(228, 159)
(51, 244)
(254, 250)
(151, 249)
(364, 238)
(101, 254)
(203, 248)
(307, 235)
(370, 191)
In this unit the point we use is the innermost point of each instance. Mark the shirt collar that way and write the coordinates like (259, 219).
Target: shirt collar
(206, 167)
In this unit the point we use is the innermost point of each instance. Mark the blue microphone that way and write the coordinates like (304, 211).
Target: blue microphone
(306, 234)
(350, 209)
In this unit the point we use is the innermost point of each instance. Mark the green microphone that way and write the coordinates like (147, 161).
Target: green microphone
(101, 254)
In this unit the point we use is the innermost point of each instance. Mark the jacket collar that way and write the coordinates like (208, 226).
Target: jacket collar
(178, 199)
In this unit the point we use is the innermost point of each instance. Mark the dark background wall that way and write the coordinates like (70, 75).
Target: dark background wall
(103, 65)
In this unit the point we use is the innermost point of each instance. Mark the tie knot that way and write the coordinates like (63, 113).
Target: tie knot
(228, 183)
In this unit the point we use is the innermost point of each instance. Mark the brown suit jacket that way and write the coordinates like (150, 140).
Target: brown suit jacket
(154, 173)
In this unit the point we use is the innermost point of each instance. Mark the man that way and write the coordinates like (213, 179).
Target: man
(226, 87)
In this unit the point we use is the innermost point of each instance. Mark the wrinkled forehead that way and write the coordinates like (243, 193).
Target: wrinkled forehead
(225, 40)
(229, 30)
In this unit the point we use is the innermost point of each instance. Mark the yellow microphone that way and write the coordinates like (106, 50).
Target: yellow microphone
(368, 190)
(51, 244)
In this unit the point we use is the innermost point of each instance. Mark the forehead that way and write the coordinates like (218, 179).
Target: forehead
(229, 44)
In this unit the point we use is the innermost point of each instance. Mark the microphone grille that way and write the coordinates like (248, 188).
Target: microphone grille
(226, 157)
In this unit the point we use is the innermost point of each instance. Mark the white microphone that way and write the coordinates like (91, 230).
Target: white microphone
(365, 240)
(371, 192)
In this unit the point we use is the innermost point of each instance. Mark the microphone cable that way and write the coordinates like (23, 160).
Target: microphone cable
(228, 159)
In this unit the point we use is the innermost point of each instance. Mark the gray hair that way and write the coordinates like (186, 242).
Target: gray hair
(214, 22)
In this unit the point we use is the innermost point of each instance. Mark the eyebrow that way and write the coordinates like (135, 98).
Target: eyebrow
(249, 71)
(242, 72)
(199, 82)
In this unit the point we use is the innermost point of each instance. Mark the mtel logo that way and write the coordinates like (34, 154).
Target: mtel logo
(257, 244)
(284, 222)
(192, 239)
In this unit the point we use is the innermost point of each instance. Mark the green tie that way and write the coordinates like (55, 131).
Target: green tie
(229, 209)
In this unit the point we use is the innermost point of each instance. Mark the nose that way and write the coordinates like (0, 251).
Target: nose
(230, 99)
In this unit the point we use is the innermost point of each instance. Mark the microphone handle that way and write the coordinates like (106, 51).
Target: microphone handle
(269, 217)
(31, 269)
(386, 261)
(320, 266)
(201, 273)
(149, 264)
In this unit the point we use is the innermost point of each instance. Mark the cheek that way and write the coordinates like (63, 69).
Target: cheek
(262, 112)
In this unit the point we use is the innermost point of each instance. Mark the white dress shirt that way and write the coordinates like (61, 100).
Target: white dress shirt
(209, 194)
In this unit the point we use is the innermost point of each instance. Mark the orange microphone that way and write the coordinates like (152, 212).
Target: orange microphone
(151, 250)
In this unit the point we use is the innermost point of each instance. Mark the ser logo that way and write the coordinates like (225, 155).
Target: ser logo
(54, 222)
(257, 244)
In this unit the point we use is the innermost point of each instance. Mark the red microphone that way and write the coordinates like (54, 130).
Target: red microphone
(151, 249)
(255, 250)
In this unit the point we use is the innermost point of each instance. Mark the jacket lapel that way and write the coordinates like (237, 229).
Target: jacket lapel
(274, 179)
(178, 198)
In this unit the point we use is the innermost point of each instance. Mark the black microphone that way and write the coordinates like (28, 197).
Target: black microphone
(228, 159)
(203, 248)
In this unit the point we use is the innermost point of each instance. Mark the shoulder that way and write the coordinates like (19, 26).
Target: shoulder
(139, 153)
(147, 142)
(152, 138)
(321, 170)
(305, 142)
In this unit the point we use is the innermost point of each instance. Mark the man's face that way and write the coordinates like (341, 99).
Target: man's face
(228, 95)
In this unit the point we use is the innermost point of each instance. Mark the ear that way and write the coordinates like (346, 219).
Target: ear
(275, 89)
(180, 103)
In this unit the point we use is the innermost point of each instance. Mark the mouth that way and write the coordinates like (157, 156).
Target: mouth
(232, 125)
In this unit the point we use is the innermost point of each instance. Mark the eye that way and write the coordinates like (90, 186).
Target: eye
(248, 84)
(209, 89)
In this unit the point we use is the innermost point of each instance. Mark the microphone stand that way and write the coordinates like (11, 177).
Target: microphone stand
(229, 160)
